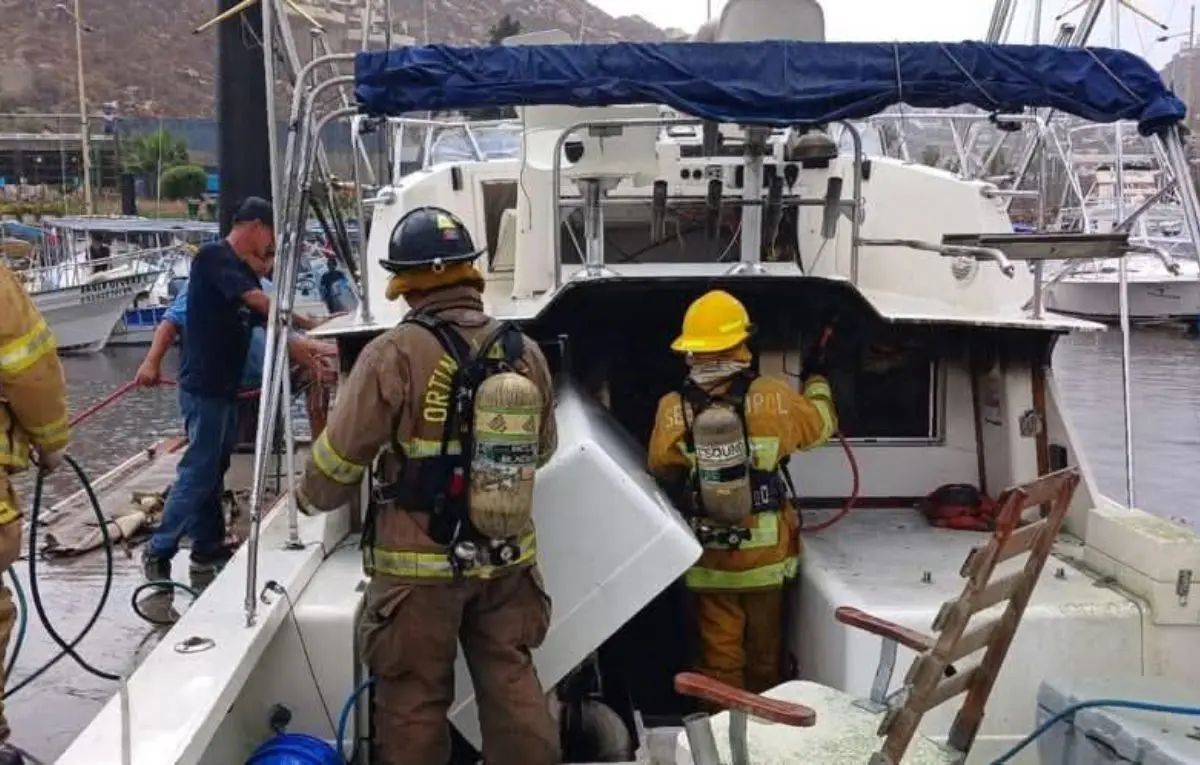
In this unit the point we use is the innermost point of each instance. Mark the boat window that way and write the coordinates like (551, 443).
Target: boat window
(889, 389)
(498, 196)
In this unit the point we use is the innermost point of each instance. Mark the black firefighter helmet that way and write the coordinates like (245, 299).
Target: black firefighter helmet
(429, 237)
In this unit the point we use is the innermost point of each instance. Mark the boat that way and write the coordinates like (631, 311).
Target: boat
(82, 299)
(138, 323)
(1163, 280)
(943, 378)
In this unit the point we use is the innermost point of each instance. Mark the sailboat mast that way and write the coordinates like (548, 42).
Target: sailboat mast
(243, 146)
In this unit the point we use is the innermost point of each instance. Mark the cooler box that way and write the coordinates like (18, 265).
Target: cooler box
(1106, 735)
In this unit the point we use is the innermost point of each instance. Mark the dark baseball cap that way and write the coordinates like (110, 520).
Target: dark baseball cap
(255, 210)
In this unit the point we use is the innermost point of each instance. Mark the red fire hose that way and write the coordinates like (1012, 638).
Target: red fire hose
(131, 385)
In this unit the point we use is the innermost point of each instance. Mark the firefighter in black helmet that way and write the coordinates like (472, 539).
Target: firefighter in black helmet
(428, 240)
(450, 548)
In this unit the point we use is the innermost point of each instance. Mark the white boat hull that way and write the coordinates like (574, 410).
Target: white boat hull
(1149, 301)
(83, 318)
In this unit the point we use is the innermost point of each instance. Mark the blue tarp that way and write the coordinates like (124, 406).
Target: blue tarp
(770, 83)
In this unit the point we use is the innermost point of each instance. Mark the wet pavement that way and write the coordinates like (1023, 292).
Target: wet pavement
(46, 715)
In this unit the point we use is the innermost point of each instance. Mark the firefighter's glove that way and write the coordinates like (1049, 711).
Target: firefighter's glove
(814, 364)
(48, 462)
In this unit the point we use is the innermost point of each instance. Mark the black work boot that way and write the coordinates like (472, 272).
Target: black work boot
(155, 569)
(203, 569)
(156, 604)
(10, 755)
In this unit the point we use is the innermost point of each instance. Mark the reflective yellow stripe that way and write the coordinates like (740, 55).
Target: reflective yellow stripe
(14, 454)
(22, 353)
(816, 388)
(332, 465)
(756, 578)
(765, 534)
(419, 448)
(8, 513)
(379, 560)
(821, 396)
(52, 435)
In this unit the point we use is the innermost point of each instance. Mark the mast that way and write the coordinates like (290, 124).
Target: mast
(243, 139)
(1123, 273)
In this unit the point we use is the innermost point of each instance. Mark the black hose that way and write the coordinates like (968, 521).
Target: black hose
(67, 648)
(157, 585)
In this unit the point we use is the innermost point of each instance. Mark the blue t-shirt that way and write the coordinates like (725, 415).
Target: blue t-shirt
(217, 339)
(252, 371)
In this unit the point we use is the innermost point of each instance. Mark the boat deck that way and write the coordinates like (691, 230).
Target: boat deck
(893, 564)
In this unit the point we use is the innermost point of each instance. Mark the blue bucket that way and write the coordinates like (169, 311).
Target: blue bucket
(295, 749)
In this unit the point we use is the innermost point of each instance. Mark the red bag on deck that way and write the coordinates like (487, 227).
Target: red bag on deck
(959, 506)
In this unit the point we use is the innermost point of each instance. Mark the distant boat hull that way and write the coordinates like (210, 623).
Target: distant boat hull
(83, 318)
(1149, 301)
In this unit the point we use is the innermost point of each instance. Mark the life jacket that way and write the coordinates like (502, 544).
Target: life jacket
(724, 486)
(959, 506)
(478, 488)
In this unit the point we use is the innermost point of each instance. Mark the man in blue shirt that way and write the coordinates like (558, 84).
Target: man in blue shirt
(225, 302)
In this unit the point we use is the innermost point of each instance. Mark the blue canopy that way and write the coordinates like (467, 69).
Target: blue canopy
(773, 83)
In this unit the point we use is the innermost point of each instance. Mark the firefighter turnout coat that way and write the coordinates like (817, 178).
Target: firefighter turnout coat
(32, 388)
(398, 394)
(780, 420)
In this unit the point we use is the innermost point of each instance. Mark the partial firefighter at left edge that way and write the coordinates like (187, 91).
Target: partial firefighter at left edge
(463, 408)
(33, 421)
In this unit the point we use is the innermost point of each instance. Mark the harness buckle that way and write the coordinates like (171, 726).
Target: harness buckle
(730, 537)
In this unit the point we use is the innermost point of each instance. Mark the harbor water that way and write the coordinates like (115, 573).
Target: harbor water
(47, 714)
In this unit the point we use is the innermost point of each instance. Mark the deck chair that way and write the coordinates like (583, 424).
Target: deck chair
(817, 724)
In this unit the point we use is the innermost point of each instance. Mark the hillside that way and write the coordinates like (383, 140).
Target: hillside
(143, 55)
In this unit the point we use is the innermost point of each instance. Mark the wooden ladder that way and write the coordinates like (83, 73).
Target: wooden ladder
(933, 679)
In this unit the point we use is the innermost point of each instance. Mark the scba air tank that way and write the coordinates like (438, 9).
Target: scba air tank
(722, 464)
(508, 420)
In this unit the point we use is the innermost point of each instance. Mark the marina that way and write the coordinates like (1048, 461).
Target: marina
(996, 530)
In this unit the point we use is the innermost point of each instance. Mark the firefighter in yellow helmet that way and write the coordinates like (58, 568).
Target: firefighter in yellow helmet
(724, 440)
(33, 419)
(463, 408)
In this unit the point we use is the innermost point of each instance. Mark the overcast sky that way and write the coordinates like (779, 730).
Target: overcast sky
(869, 20)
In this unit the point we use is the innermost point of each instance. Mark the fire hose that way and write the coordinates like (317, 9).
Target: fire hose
(67, 647)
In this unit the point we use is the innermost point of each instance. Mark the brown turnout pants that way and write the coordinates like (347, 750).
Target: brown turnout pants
(409, 633)
(10, 550)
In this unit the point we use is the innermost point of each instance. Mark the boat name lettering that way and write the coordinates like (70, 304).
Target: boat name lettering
(95, 292)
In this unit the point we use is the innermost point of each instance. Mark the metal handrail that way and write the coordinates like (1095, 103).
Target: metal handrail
(990, 253)
(67, 274)
(665, 122)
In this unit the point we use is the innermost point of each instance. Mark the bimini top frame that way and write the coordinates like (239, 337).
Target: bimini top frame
(755, 84)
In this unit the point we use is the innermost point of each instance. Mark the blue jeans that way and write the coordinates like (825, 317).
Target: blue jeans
(194, 503)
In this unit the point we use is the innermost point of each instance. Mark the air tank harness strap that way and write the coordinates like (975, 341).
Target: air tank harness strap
(437, 480)
(413, 565)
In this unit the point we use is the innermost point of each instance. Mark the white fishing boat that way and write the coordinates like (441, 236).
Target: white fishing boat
(598, 236)
(84, 299)
(1163, 281)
